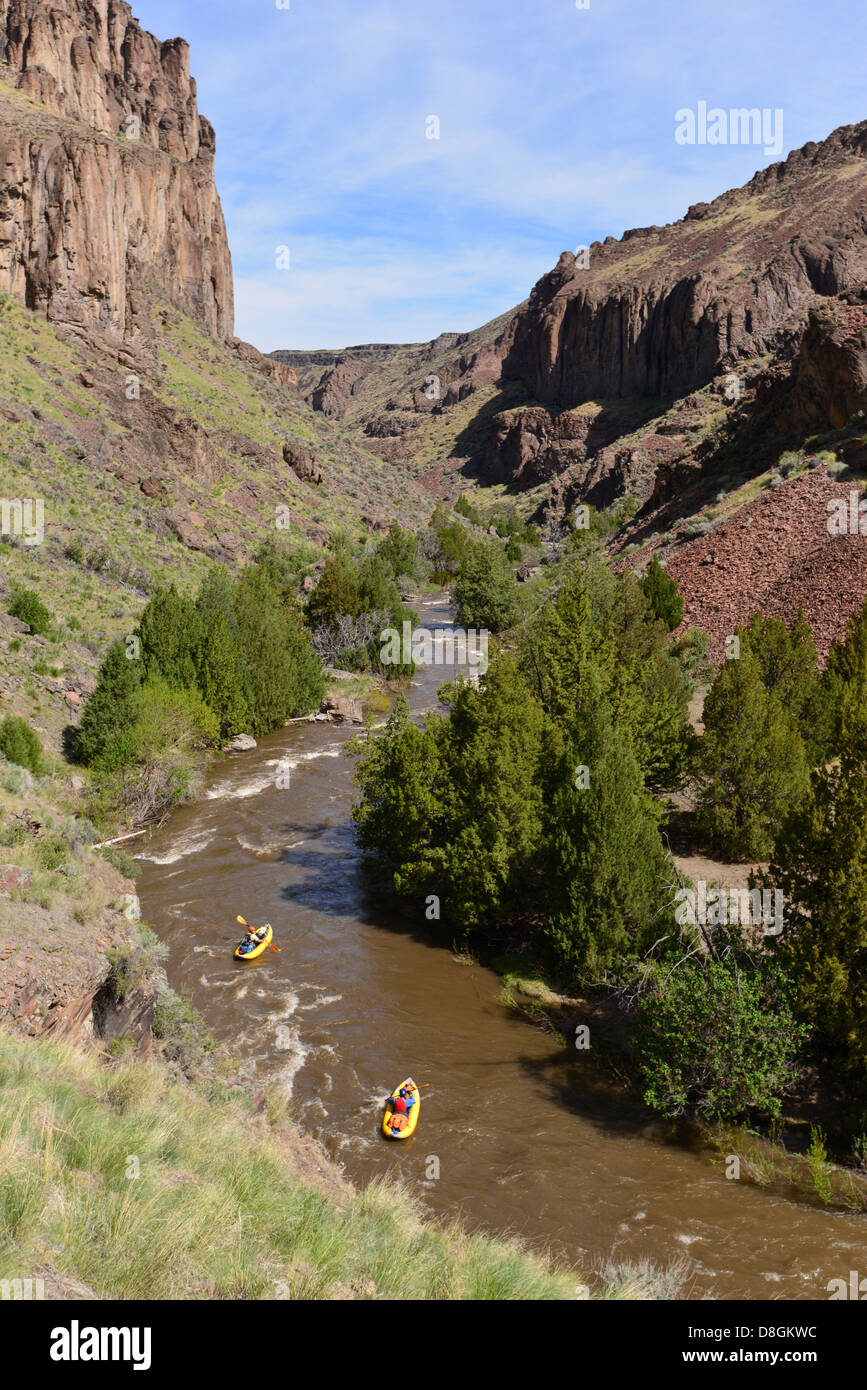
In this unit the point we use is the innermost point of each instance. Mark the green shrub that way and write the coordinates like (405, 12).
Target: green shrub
(27, 607)
(79, 832)
(21, 744)
(98, 559)
(399, 549)
(485, 591)
(691, 653)
(15, 780)
(662, 594)
(717, 1038)
(120, 860)
(818, 1168)
(179, 1026)
(51, 851)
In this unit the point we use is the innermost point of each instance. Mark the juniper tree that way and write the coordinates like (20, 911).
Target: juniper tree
(820, 862)
(398, 817)
(113, 707)
(493, 798)
(751, 759)
(262, 637)
(170, 630)
(485, 591)
(790, 671)
(844, 682)
(221, 674)
(662, 594)
(608, 881)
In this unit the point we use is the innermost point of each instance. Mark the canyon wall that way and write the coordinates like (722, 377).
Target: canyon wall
(107, 189)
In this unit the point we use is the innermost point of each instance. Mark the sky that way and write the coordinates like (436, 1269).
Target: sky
(557, 127)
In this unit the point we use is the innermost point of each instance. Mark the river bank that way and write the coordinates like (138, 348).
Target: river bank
(792, 1157)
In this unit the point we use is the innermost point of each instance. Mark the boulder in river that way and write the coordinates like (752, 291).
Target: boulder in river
(242, 743)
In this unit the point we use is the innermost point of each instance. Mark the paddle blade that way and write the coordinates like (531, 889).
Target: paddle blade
(273, 947)
(242, 920)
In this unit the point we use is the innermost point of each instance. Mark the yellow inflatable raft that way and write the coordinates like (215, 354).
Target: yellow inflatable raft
(408, 1129)
(254, 943)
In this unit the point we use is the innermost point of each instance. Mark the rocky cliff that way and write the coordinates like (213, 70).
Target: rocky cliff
(659, 312)
(106, 171)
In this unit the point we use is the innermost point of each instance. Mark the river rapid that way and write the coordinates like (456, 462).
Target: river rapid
(512, 1137)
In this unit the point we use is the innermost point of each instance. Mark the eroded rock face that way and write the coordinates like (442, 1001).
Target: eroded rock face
(270, 366)
(332, 394)
(830, 373)
(303, 463)
(107, 187)
(526, 447)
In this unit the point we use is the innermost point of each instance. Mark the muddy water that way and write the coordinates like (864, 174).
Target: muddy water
(360, 997)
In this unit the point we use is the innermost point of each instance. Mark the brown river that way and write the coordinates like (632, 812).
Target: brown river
(362, 995)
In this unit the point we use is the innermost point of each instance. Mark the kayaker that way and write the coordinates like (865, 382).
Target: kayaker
(407, 1094)
(254, 936)
(401, 1110)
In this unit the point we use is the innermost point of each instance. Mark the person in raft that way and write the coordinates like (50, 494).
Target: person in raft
(408, 1094)
(402, 1105)
(254, 937)
(399, 1114)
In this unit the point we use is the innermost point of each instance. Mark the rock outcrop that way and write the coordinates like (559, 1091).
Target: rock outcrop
(830, 373)
(106, 171)
(303, 462)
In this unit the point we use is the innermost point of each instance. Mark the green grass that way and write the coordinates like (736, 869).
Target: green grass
(138, 1186)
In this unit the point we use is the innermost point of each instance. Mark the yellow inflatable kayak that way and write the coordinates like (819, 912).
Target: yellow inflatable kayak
(254, 943)
(408, 1128)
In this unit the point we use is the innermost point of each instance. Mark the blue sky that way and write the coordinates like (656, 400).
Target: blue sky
(556, 128)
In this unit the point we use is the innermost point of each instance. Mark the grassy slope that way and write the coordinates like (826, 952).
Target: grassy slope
(68, 439)
(226, 1197)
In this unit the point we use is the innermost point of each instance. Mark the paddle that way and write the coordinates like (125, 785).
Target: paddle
(245, 923)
